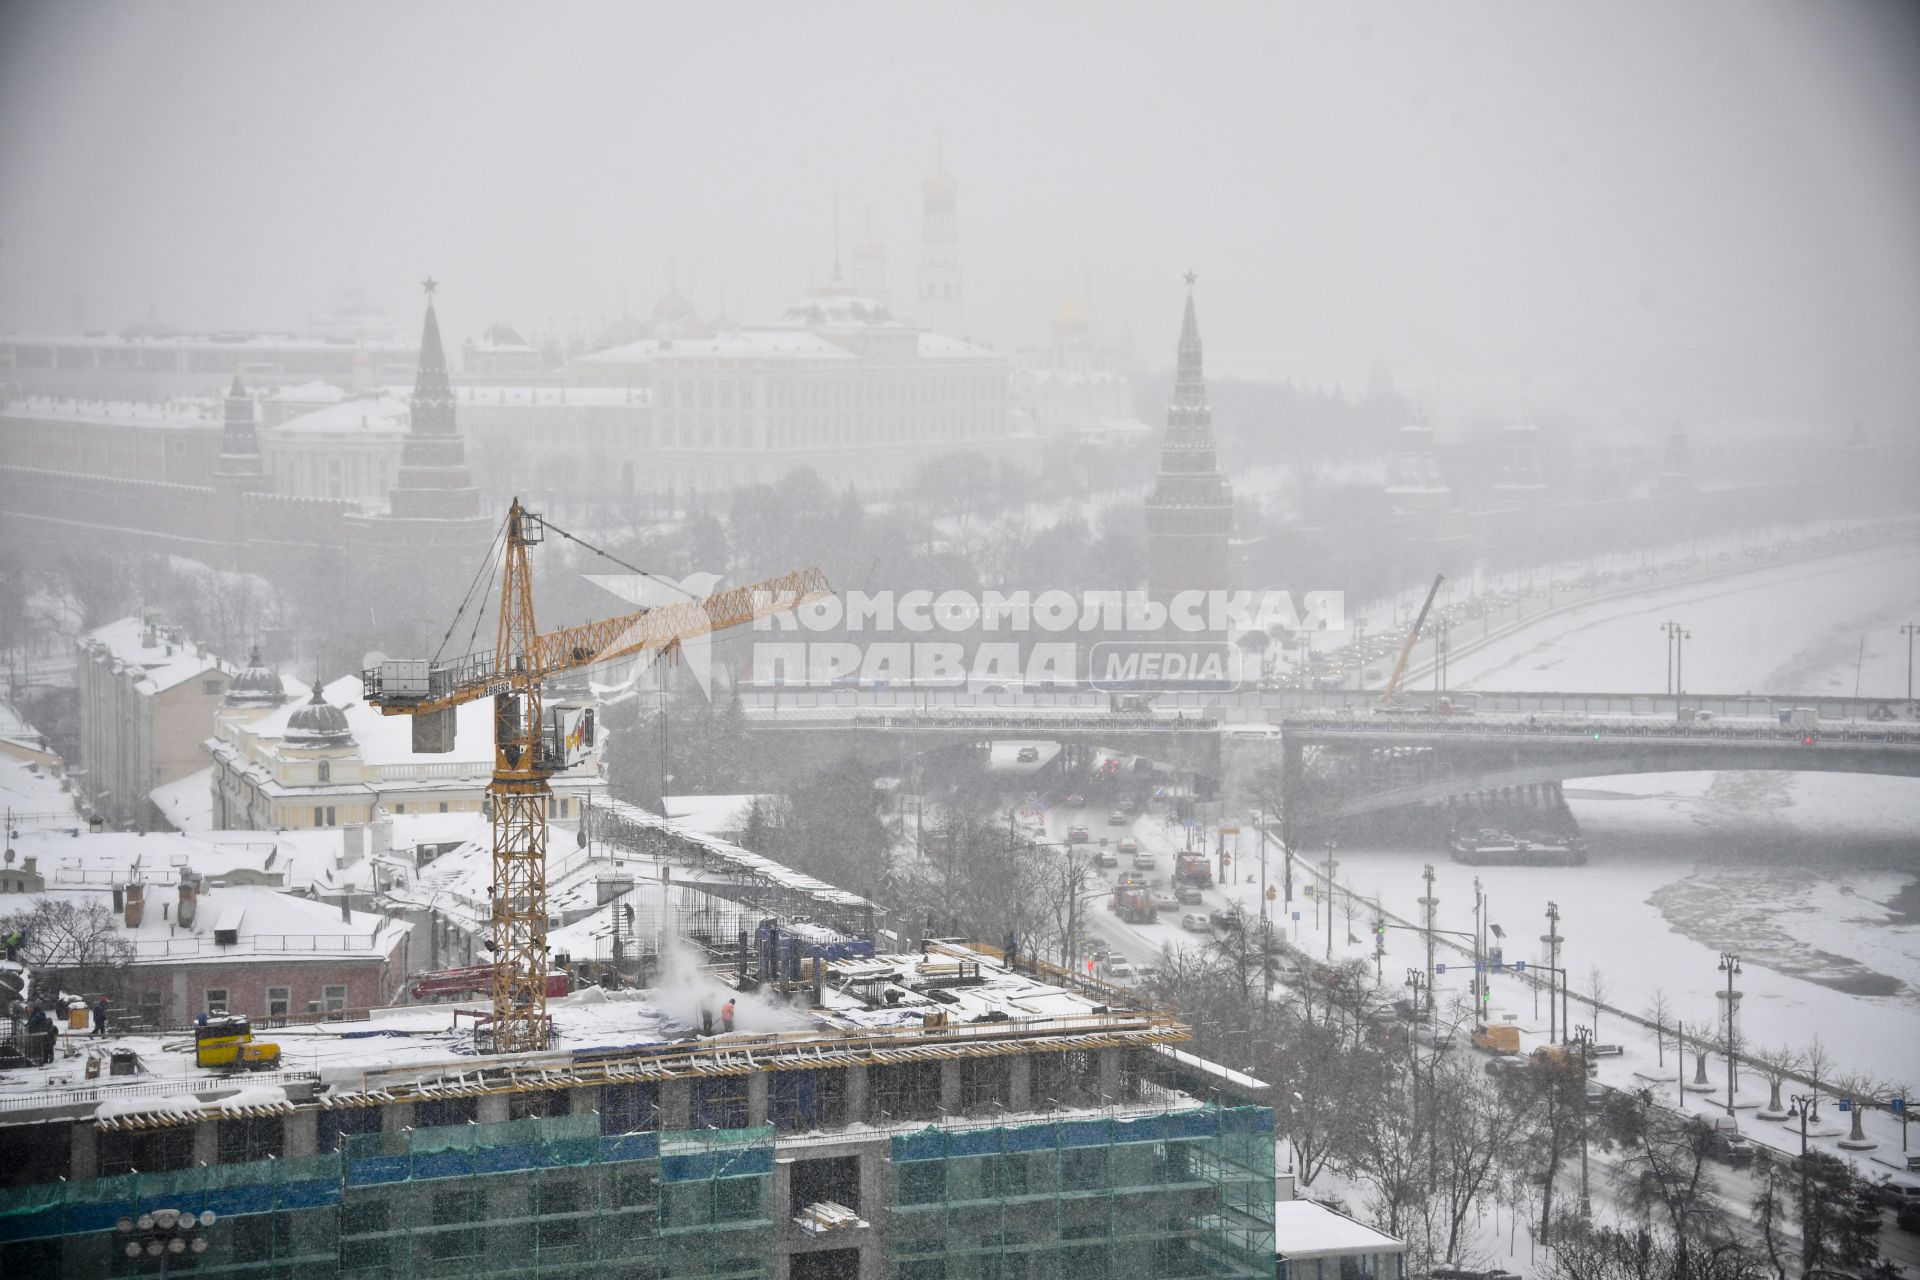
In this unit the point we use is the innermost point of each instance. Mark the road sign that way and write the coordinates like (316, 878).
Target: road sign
(1519, 966)
(1846, 1104)
(1296, 917)
(1897, 1105)
(1440, 968)
(1479, 966)
(1272, 893)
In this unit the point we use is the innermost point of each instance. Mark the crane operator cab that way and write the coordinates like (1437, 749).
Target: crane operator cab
(227, 1041)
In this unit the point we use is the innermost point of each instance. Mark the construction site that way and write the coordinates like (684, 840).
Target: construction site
(677, 1058)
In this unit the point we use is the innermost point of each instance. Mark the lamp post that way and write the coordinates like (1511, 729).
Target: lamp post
(1332, 866)
(1429, 902)
(1553, 940)
(1583, 1037)
(1676, 636)
(165, 1234)
(1802, 1104)
(1730, 965)
(1908, 631)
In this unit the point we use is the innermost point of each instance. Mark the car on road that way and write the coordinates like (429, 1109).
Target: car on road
(1194, 922)
(1720, 1141)
(1027, 755)
(1908, 1218)
(1128, 845)
(1117, 967)
(1143, 861)
(1076, 801)
(1189, 894)
(1078, 835)
(1117, 818)
(1508, 1066)
(1107, 858)
(1222, 918)
(1164, 901)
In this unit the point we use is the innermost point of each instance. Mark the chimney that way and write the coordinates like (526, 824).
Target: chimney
(354, 845)
(189, 898)
(136, 904)
(346, 912)
(382, 836)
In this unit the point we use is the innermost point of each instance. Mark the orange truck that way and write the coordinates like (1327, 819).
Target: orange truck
(1497, 1039)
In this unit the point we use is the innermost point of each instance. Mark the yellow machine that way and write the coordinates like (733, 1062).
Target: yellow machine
(228, 1042)
(527, 748)
(1497, 1039)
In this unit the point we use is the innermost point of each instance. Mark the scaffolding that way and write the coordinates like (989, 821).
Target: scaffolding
(1175, 1194)
(531, 1197)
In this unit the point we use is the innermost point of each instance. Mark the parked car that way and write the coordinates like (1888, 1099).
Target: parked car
(1194, 922)
(1027, 755)
(1908, 1218)
(1721, 1141)
(1077, 835)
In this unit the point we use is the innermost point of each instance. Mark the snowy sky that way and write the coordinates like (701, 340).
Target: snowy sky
(1719, 194)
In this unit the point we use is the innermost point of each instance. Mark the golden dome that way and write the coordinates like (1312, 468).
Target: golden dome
(1070, 318)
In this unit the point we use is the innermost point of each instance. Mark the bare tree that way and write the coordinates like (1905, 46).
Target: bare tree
(76, 946)
(1598, 992)
(1776, 1065)
(1660, 1014)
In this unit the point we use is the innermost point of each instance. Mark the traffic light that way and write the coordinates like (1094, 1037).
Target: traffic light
(1807, 741)
(1596, 735)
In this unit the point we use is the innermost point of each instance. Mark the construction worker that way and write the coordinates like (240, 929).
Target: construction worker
(39, 1037)
(13, 944)
(726, 1015)
(100, 1018)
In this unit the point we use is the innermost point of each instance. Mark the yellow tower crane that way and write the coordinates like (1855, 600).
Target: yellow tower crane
(529, 747)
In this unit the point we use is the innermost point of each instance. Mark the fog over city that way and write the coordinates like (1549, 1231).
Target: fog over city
(960, 642)
(1714, 202)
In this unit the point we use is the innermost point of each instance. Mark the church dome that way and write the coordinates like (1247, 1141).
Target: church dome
(258, 686)
(319, 724)
(1070, 318)
(673, 308)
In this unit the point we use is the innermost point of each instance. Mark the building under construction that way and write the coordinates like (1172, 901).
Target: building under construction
(766, 1083)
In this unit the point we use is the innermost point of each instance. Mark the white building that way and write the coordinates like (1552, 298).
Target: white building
(325, 758)
(839, 385)
(175, 441)
(1070, 388)
(326, 442)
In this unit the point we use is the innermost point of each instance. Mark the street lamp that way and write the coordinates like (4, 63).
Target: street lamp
(1908, 631)
(165, 1234)
(1676, 636)
(1583, 1037)
(1553, 940)
(1331, 867)
(1802, 1105)
(1730, 965)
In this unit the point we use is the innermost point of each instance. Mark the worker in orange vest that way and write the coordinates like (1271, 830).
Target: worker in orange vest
(726, 1016)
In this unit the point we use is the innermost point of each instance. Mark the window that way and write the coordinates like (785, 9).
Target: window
(216, 1000)
(334, 996)
(211, 686)
(319, 816)
(399, 808)
(329, 815)
(150, 1008)
(279, 1001)
(326, 771)
(443, 806)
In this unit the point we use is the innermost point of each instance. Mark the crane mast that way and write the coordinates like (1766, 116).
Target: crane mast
(524, 757)
(520, 799)
(1406, 651)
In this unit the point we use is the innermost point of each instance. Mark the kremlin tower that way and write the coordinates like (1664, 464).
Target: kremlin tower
(939, 306)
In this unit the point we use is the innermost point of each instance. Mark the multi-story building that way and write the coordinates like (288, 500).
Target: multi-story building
(348, 449)
(175, 441)
(939, 1112)
(156, 366)
(324, 758)
(839, 385)
(147, 697)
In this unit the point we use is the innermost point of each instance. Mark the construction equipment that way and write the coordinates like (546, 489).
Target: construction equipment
(528, 748)
(474, 978)
(1406, 651)
(1500, 1038)
(227, 1041)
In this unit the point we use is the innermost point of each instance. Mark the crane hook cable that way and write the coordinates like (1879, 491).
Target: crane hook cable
(486, 562)
(616, 559)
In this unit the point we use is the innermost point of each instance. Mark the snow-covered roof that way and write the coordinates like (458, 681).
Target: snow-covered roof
(219, 341)
(122, 413)
(935, 346)
(186, 804)
(739, 344)
(710, 815)
(384, 412)
(34, 796)
(316, 392)
(127, 642)
(267, 924)
(554, 397)
(1303, 1229)
(382, 739)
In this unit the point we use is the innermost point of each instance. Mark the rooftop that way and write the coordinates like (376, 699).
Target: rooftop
(1303, 1229)
(163, 655)
(124, 413)
(740, 344)
(355, 414)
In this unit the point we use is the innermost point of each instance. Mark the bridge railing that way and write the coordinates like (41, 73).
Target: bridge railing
(1826, 734)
